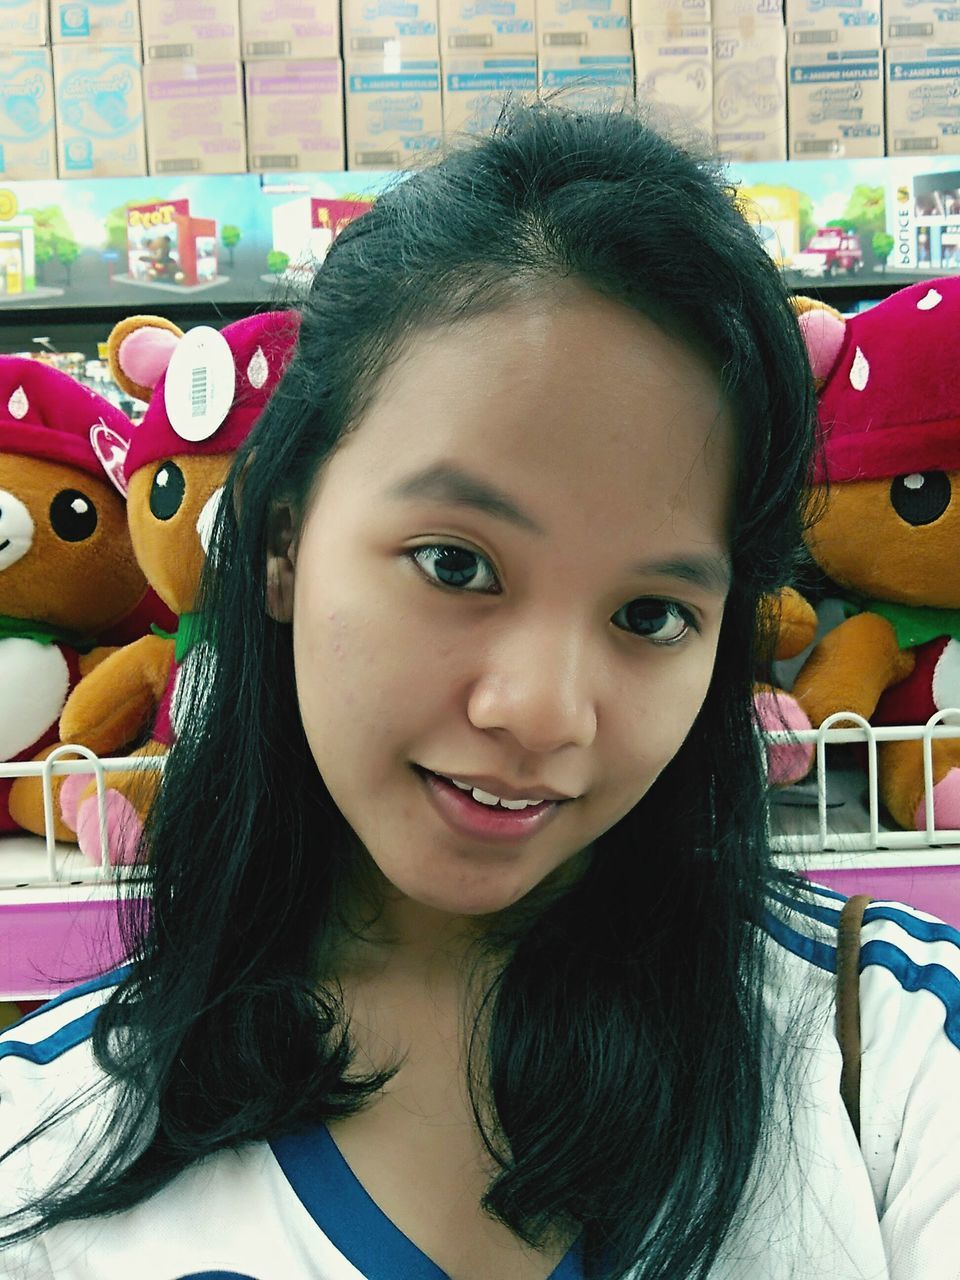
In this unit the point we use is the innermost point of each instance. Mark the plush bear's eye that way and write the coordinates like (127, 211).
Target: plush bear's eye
(166, 495)
(922, 497)
(73, 516)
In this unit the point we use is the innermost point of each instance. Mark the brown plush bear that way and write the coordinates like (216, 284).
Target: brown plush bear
(889, 483)
(68, 573)
(206, 390)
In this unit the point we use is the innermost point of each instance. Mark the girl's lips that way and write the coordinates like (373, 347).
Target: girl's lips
(488, 823)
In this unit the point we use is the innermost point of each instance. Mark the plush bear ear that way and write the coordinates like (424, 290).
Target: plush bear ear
(139, 350)
(823, 330)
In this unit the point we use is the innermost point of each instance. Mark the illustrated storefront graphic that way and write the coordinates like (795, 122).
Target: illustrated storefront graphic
(169, 248)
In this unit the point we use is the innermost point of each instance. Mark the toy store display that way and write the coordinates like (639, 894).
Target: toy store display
(206, 389)
(68, 572)
(889, 410)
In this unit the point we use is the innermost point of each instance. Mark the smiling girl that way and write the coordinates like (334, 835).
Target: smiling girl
(466, 954)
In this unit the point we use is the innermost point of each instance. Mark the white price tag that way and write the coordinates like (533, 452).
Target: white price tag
(200, 385)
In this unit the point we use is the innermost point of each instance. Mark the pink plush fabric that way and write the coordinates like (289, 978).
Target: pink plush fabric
(891, 404)
(824, 334)
(47, 414)
(274, 334)
(145, 354)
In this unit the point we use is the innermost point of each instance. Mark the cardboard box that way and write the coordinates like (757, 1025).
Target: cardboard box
(749, 93)
(923, 100)
(295, 115)
(195, 118)
(96, 21)
(835, 104)
(23, 23)
(670, 13)
(507, 26)
(474, 89)
(375, 28)
(588, 81)
(98, 97)
(393, 110)
(747, 14)
(28, 146)
(199, 30)
(289, 28)
(583, 26)
(849, 24)
(674, 69)
(921, 22)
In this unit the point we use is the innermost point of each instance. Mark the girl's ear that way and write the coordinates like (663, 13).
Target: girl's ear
(281, 561)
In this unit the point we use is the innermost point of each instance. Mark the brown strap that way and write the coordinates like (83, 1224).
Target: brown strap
(848, 1003)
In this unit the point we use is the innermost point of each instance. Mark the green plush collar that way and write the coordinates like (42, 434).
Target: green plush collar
(188, 633)
(913, 624)
(42, 633)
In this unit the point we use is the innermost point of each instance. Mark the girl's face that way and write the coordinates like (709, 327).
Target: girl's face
(515, 568)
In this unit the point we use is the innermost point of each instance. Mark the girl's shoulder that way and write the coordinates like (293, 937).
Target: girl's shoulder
(909, 959)
(46, 1064)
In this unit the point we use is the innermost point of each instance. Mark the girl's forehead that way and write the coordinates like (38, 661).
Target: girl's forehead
(588, 415)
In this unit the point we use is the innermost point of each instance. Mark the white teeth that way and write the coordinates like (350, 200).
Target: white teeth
(484, 797)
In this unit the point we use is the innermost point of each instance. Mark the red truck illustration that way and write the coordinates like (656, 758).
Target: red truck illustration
(829, 251)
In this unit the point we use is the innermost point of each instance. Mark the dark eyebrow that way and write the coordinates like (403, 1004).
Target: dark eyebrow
(445, 483)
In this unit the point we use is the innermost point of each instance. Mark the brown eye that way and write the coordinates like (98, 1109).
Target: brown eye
(73, 516)
(922, 497)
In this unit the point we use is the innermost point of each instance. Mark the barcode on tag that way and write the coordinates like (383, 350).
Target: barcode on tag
(177, 166)
(198, 391)
(170, 51)
(479, 41)
(816, 146)
(916, 144)
(368, 44)
(815, 37)
(564, 37)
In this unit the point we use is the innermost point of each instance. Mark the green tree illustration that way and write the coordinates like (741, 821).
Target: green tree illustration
(277, 262)
(882, 245)
(230, 237)
(67, 251)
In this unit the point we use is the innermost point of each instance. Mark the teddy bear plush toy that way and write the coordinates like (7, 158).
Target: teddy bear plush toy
(68, 573)
(206, 389)
(888, 481)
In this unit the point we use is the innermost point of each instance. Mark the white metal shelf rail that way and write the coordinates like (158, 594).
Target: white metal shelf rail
(861, 732)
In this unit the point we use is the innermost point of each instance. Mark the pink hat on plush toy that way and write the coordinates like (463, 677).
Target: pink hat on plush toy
(47, 414)
(890, 403)
(208, 386)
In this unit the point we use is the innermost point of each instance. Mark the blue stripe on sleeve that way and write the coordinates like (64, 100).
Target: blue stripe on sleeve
(111, 979)
(935, 978)
(45, 1051)
(922, 930)
(824, 892)
(817, 953)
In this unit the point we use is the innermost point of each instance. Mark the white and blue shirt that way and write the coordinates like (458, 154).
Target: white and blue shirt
(886, 1208)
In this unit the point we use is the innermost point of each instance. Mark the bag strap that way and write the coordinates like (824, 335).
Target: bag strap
(848, 1003)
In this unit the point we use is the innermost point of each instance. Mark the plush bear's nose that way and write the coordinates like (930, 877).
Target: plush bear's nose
(16, 529)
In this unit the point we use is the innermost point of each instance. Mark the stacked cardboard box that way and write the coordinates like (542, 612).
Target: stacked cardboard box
(835, 79)
(98, 88)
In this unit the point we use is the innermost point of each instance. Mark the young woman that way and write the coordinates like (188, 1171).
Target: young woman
(499, 537)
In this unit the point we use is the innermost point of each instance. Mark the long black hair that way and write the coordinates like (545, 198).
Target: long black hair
(620, 1082)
